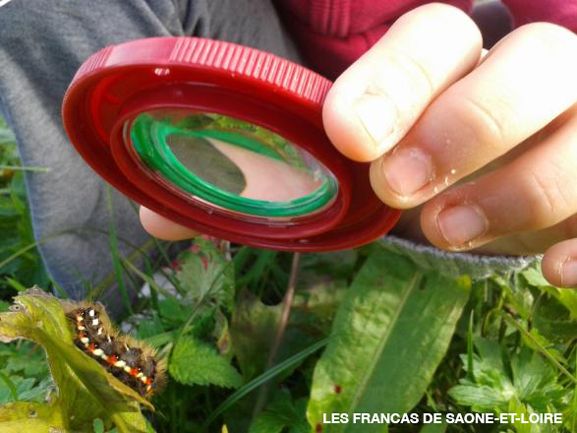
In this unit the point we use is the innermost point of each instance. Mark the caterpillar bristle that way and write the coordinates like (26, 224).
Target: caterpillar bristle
(131, 361)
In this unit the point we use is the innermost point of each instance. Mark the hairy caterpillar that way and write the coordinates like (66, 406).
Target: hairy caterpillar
(132, 362)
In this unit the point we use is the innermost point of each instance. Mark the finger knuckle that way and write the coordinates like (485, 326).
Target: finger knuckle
(412, 67)
(485, 123)
(550, 200)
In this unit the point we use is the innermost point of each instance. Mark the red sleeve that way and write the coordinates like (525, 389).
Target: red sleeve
(562, 12)
(332, 34)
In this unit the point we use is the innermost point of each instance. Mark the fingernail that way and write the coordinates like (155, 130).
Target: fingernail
(569, 273)
(407, 170)
(377, 115)
(462, 224)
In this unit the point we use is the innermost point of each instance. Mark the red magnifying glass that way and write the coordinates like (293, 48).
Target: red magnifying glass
(224, 139)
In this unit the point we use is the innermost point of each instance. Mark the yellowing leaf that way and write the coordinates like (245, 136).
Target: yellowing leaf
(27, 417)
(85, 389)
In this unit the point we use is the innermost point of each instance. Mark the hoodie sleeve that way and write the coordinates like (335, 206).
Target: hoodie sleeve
(332, 34)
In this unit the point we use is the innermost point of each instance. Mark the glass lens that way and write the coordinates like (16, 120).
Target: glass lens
(230, 163)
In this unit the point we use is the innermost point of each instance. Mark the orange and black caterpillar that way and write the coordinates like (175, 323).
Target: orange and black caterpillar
(132, 362)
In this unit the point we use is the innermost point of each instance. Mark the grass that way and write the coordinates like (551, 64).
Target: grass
(20, 263)
(514, 348)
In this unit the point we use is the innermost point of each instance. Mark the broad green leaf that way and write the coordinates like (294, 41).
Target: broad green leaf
(390, 334)
(196, 363)
(85, 389)
(29, 417)
(534, 277)
(481, 397)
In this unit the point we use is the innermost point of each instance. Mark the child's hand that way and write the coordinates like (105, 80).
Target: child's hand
(421, 107)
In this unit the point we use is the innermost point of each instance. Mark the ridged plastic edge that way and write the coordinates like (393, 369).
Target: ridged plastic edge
(260, 65)
(218, 55)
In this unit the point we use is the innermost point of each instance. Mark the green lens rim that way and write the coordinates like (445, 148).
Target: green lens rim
(148, 136)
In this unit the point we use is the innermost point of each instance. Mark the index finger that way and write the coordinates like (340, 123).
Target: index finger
(373, 104)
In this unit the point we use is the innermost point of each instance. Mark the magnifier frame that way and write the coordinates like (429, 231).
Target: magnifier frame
(117, 84)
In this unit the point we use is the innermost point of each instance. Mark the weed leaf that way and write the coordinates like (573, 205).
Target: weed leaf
(390, 334)
(194, 362)
(206, 275)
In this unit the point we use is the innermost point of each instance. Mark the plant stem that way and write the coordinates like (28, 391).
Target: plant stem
(286, 309)
(27, 168)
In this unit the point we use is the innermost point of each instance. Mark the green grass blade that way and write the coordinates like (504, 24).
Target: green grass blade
(15, 284)
(27, 168)
(262, 379)
(470, 373)
(118, 269)
(154, 286)
(18, 253)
